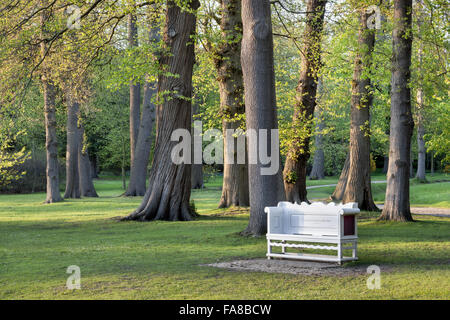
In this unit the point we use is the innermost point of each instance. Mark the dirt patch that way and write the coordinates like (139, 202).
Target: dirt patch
(293, 267)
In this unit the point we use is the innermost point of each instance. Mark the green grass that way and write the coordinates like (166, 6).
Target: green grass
(160, 260)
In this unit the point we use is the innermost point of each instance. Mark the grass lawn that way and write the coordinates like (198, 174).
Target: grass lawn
(160, 260)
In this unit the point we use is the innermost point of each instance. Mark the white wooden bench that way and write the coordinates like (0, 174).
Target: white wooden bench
(293, 226)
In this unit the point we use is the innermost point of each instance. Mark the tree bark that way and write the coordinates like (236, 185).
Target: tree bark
(385, 164)
(73, 142)
(168, 194)
(421, 157)
(94, 166)
(294, 173)
(196, 169)
(228, 65)
(318, 168)
(135, 93)
(138, 174)
(339, 191)
(84, 167)
(51, 143)
(260, 104)
(138, 169)
(396, 205)
(358, 188)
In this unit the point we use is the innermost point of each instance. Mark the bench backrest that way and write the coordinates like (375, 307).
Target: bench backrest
(317, 219)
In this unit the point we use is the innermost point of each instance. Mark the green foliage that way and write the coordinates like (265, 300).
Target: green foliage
(10, 159)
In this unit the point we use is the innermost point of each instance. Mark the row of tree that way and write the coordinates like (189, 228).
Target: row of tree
(175, 49)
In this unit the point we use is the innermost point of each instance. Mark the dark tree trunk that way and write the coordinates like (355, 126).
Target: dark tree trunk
(339, 191)
(432, 163)
(138, 173)
(318, 168)
(294, 173)
(396, 205)
(51, 143)
(135, 93)
(196, 169)
(260, 104)
(228, 65)
(168, 194)
(73, 142)
(138, 169)
(94, 167)
(358, 188)
(385, 164)
(84, 167)
(197, 176)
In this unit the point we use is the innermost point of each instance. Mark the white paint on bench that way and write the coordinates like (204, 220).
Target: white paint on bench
(317, 223)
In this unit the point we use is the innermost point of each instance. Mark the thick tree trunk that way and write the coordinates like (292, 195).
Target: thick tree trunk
(339, 191)
(318, 168)
(73, 142)
(294, 173)
(228, 65)
(260, 104)
(84, 168)
(51, 143)
(196, 169)
(396, 205)
(358, 188)
(135, 93)
(138, 169)
(168, 194)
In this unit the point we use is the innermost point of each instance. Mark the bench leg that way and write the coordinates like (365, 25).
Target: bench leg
(269, 249)
(339, 253)
(355, 245)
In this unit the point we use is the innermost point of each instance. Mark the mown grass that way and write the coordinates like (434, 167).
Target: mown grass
(161, 260)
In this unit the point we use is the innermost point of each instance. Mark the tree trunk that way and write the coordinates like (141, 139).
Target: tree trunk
(196, 169)
(51, 143)
(396, 205)
(420, 175)
(138, 168)
(73, 142)
(339, 191)
(432, 163)
(228, 65)
(385, 164)
(294, 173)
(318, 168)
(135, 93)
(421, 157)
(84, 167)
(260, 104)
(94, 167)
(358, 188)
(168, 194)
(138, 172)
